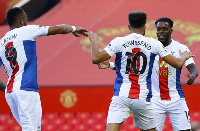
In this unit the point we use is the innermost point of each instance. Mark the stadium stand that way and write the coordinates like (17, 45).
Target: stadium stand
(81, 121)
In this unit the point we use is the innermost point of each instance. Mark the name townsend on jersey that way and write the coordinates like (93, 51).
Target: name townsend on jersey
(133, 42)
(8, 39)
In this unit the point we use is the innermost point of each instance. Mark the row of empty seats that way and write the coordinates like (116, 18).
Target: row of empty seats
(81, 121)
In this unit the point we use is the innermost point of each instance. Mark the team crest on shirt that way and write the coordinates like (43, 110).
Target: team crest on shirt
(173, 52)
(68, 98)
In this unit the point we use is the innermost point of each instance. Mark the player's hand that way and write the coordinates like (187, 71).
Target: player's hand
(191, 78)
(186, 54)
(104, 65)
(92, 36)
(80, 32)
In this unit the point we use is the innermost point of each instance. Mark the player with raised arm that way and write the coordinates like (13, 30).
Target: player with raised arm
(135, 55)
(18, 55)
(168, 96)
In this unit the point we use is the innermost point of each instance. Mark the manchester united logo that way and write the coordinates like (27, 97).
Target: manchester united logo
(68, 98)
(185, 32)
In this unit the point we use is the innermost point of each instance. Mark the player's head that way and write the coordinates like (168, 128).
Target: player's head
(164, 29)
(16, 17)
(137, 20)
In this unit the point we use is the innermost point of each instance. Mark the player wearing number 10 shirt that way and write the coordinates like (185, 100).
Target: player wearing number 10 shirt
(135, 55)
(18, 55)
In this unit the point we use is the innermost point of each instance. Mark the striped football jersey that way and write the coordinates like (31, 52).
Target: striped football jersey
(135, 55)
(18, 55)
(166, 84)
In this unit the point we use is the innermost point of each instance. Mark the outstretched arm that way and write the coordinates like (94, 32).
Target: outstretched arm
(193, 73)
(2, 86)
(65, 29)
(178, 62)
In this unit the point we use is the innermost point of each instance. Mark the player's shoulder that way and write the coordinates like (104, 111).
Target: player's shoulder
(119, 39)
(178, 44)
(29, 27)
(154, 42)
(33, 27)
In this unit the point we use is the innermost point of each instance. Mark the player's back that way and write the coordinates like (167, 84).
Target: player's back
(18, 55)
(135, 55)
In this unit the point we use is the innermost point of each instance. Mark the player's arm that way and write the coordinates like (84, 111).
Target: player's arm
(193, 73)
(2, 86)
(96, 56)
(177, 62)
(65, 29)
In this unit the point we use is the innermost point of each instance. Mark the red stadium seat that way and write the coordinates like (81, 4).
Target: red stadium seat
(67, 116)
(78, 122)
(3, 128)
(49, 127)
(65, 127)
(99, 127)
(99, 116)
(50, 116)
(83, 116)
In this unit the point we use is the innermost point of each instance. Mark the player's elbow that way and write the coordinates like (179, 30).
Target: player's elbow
(95, 60)
(178, 65)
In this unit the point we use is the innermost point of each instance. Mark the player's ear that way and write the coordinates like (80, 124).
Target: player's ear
(171, 30)
(129, 27)
(21, 21)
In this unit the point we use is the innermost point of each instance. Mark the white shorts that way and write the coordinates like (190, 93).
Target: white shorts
(178, 114)
(121, 107)
(26, 109)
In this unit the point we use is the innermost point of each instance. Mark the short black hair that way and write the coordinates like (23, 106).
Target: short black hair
(137, 19)
(12, 15)
(165, 19)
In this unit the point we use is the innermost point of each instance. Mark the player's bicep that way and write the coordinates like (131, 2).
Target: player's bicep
(35, 31)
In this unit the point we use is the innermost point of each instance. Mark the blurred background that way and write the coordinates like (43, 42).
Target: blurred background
(75, 94)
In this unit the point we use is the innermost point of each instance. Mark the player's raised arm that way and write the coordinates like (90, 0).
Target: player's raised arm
(178, 62)
(65, 29)
(96, 56)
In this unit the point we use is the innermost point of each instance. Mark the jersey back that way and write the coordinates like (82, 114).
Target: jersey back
(135, 55)
(18, 55)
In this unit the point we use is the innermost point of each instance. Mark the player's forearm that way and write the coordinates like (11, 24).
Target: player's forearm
(175, 62)
(60, 29)
(180, 62)
(192, 69)
(94, 52)
(2, 86)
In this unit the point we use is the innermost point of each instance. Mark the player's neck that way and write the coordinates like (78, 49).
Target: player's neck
(14, 26)
(137, 31)
(168, 42)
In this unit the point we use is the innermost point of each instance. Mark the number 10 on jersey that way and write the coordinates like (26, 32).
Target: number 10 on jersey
(134, 60)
